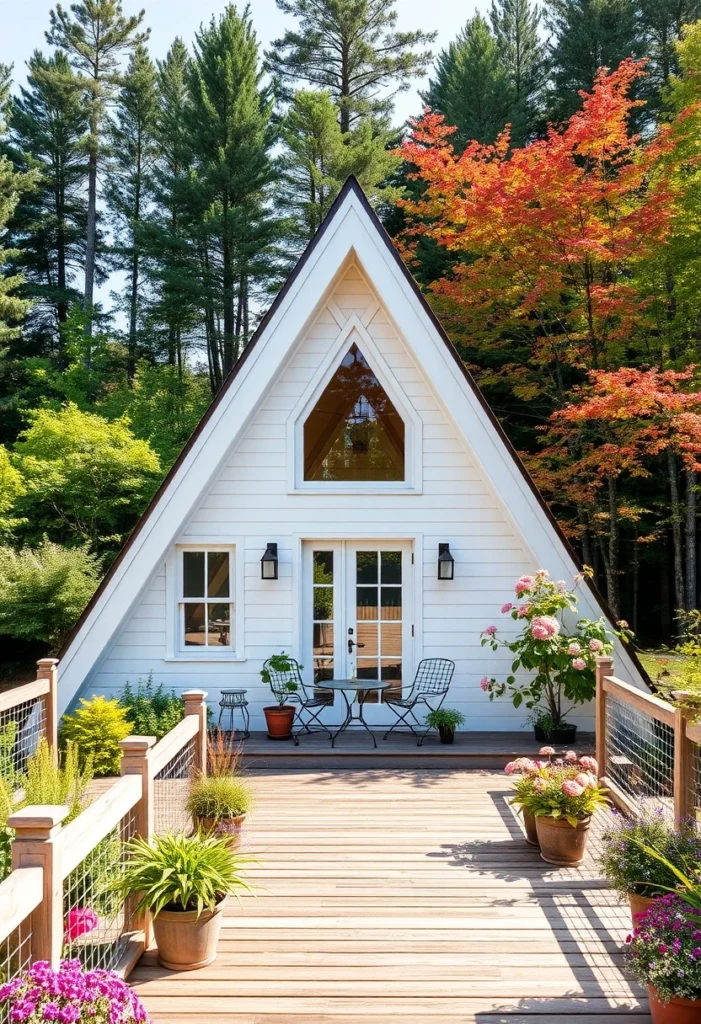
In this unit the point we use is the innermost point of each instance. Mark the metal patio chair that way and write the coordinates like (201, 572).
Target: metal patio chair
(431, 683)
(308, 698)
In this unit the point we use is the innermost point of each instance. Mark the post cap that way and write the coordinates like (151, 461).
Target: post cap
(37, 821)
(137, 744)
(47, 662)
(194, 696)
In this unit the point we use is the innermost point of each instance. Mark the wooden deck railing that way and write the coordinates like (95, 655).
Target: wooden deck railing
(60, 898)
(28, 713)
(649, 754)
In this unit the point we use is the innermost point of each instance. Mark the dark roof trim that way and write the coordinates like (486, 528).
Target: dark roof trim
(351, 185)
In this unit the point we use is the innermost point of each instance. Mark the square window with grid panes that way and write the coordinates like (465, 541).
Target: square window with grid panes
(206, 605)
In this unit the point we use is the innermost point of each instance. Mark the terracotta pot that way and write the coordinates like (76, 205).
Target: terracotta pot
(186, 941)
(446, 734)
(560, 843)
(223, 826)
(530, 827)
(279, 721)
(639, 906)
(676, 1011)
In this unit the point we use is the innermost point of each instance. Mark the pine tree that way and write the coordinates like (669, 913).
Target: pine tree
(48, 128)
(587, 35)
(516, 24)
(352, 49)
(230, 136)
(662, 22)
(132, 137)
(318, 158)
(93, 34)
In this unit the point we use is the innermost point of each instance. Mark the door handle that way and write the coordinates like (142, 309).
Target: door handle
(352, 644)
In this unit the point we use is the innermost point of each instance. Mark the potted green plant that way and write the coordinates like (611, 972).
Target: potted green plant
(665, 954)
(279, 718)
(560, 660)
(219, 803)
(183, 881)
(631, 870)
(526, 772)
(446, 720)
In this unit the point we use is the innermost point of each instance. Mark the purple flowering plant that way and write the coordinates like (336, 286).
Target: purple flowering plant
(639, 854)
(664, 951)
(69, 995)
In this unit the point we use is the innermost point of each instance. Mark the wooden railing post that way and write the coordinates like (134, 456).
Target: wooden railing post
(604, 667)
(682, 769)
(196, 704)
(47, 668)
(39, 843)
(136, 753)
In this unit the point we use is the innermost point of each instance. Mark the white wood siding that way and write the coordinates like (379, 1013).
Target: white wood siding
(250, 500)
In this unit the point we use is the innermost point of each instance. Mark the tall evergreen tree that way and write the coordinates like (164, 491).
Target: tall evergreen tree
(132, 137)
(516, 25)
(661, 22)
(48, 129)
(93, 34)
(12, 184)
(351, 48)
(230, 135)
(587, 35)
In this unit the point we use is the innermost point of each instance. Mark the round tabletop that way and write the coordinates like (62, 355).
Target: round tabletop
(352, 684)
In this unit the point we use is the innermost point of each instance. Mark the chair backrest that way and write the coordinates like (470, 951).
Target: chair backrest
(280, 679)
(433, 675)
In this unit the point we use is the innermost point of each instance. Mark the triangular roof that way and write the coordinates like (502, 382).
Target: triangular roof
(350, 199)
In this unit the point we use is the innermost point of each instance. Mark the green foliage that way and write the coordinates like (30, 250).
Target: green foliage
(11, 487)
(446, 717)
(223, 796)
(626, 862)
(179, 872)
(96, 727)
(7, 806)
(8, 736)
(64, 783)
(151, 711)
(43, 590)
(546, 794)
(84, 477)
(280, 663)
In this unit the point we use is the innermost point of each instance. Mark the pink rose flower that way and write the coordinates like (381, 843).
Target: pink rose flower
(540, 785)
(510, 768)
(506, 607)
(543, 627)
(523, 610)
(80, 921)
(586, 780)
(571, 755)
(570, 787)
(524, 585)
(574, 649)
(579, 664)
(484, 683)
(590, 764)
(546, 751)
(490, 630)
(595, 646)
(542, 573)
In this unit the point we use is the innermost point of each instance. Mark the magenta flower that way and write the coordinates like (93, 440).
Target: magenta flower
(506, 607)
(524, 585)
(579, 663)
(490, 631)
(80, 921)
(524, 610)
(484, 683)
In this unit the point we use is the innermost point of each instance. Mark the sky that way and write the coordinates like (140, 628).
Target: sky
(24, 22)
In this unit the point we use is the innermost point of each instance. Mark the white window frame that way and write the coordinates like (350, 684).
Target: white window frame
(354, 331)
(175, 641)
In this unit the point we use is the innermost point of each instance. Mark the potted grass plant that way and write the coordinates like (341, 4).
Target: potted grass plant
(631, 870)
(183, 882)
(219, 804)
(446, 721)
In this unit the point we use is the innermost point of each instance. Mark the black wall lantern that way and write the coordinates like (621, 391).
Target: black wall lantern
(446, 563)
(268, 563)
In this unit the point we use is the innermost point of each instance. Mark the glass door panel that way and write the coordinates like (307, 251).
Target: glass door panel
(378, 604)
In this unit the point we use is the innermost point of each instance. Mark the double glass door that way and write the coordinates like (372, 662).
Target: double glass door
(358, 612)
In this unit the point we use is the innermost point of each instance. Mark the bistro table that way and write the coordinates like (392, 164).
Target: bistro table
(358, 687)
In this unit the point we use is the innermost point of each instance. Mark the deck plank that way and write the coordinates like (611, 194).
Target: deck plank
(403, 895)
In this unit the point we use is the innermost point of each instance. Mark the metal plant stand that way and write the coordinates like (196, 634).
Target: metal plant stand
(231, 700)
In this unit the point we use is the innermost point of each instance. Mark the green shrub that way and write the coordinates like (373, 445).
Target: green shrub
(8, 772)
(225, 796)
(6, 834)
(151, 712)
(179, 872)
(43, 590)
(96, 727)
(446, 717)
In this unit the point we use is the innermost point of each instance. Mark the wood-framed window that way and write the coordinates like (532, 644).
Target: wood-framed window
(206, 603)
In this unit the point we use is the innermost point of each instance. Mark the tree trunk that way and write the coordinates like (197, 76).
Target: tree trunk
(61, 305)
(676, 534)
(91, 239)
(133, 309)
(690, 540)
(611, 562)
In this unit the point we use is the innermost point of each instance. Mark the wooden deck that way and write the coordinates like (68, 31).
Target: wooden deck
(403, 895)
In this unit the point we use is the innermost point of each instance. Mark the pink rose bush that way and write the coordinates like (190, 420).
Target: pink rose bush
(557, 788)
(555, 650)
(70, 994)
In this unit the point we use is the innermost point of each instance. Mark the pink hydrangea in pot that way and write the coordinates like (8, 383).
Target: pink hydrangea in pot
(564, 797)
(554, 649)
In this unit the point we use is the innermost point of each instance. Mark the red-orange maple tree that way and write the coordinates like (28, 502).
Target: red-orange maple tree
(546, 239)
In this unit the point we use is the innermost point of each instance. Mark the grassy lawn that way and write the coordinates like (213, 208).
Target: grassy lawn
(661, 663)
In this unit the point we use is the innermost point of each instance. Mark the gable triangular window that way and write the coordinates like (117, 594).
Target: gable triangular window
(354, 431)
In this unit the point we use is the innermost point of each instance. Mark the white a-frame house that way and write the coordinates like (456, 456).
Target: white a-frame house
(349, 442)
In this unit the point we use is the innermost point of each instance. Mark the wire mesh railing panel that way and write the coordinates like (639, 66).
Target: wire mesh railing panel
(170, 790)
(695, 781)
(640, 755)
(96, 916)
(21, 728)
(15, 957)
